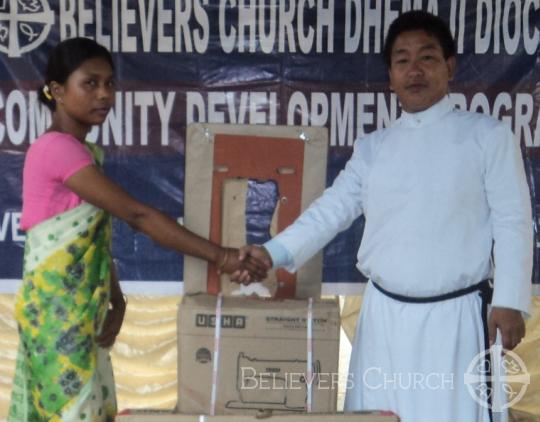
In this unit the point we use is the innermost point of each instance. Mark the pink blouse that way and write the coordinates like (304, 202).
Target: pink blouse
(49, 162)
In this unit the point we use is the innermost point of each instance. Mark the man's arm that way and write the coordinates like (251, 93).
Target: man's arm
(330, 214)
(510, 212)
(511, 325)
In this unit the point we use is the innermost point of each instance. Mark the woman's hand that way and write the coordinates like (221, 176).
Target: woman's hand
(229, 262)
(252, 257)
(113, 322)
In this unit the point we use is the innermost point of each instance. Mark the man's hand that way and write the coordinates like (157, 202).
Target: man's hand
(233, 261)
(252, 257)
(510, 323)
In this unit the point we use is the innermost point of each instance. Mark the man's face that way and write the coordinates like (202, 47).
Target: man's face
(419, 73)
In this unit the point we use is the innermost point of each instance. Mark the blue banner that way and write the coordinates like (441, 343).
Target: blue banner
(276, 62)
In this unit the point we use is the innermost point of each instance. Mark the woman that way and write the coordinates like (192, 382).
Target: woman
(70, 307)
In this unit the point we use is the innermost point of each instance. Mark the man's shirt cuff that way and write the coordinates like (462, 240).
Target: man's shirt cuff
(281, 257)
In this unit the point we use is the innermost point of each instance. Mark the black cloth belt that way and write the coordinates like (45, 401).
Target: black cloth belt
(485, 290)
(484, 287)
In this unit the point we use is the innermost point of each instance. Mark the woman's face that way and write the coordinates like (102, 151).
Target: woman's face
(89, 92)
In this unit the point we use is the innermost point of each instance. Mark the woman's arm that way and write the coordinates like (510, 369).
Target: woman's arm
(117, 297)
(94, 187)
(115, 314)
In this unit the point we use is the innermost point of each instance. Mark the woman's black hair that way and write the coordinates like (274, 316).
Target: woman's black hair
(65, 58)
(418, 20)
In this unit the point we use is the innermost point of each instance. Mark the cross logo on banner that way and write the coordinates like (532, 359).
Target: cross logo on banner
(24, 25)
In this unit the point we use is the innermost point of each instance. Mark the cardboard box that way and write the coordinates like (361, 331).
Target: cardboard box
(161, 416)
(262, 361)
(295, 159)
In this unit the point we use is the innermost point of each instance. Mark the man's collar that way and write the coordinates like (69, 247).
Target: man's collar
(426, 117)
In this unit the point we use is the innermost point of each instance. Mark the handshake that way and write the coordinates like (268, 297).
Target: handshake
(245, 265)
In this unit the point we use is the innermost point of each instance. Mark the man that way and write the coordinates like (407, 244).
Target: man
(443, 192)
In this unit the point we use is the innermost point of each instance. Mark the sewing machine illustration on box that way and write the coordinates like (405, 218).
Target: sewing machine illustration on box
(272, 384)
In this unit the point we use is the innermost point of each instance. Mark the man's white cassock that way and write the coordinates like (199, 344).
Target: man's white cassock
(437, 188)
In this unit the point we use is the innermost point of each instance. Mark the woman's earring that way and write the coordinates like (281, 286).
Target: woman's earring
(47, 93)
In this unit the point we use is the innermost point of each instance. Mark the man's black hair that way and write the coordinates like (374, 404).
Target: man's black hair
(418, 20)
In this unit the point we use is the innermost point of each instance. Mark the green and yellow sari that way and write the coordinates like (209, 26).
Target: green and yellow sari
(61, 373)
